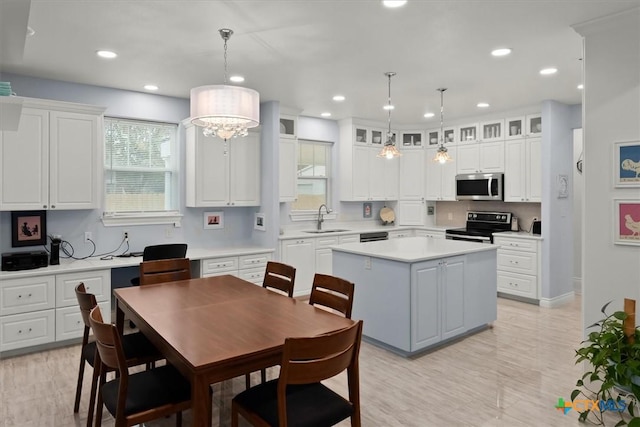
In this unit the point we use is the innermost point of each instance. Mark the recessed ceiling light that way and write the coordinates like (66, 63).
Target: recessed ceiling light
(151, 87)
(326, 114)
(548, 71)
(30, 31)
(428, 115)
(503, 51)
(394, 3)
(236, 79)
(388, 107)
(339, 98)
(482, 105)
(580, 86)
(106, 54)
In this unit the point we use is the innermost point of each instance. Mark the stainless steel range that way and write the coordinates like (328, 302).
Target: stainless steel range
(481, 226)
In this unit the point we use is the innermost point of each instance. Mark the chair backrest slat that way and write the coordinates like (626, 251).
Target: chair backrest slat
(108, 342)
(279, 276)
(166, 251)
(332, 292)
(167, 270)
(86, 301)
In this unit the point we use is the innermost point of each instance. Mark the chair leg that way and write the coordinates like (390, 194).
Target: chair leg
(99, 405)
(234, 414)
(263, 375)
(92, 397)
(179, 419)
(76, 405)
(247, 380)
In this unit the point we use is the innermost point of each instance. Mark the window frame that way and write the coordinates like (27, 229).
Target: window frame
(167, 216)
(312, 214)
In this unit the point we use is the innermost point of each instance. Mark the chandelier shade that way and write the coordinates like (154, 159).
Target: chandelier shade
(222, 110)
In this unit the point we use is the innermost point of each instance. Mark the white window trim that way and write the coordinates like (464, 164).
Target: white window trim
(311, 215)
(141, 218)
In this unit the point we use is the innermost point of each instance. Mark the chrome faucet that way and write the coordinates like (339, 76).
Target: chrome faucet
(320, 218)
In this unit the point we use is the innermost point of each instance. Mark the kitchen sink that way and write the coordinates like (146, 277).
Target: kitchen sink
(324, 231)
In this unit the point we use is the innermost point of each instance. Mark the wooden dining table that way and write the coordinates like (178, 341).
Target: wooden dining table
(217, 328)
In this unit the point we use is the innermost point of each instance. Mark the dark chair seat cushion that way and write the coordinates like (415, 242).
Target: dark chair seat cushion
(308, 405)
(148, 389)
(135, 346)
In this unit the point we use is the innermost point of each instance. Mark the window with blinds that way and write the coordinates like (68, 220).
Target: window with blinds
(314, 172)
(140, 167)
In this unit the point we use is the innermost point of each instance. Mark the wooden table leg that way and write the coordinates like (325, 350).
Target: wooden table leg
(200, 402)
(119, 318)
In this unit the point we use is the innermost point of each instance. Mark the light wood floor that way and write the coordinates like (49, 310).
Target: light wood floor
(509, 375)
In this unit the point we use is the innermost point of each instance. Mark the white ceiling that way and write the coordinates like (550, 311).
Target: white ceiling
(302, 52)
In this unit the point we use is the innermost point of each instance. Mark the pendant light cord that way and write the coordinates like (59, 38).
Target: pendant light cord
(442, 116)
(225, 33)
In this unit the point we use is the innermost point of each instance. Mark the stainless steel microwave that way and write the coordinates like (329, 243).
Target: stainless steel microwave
(480, 186)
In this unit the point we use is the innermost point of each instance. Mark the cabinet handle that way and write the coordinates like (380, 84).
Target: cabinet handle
(44, 206)
(53, 206)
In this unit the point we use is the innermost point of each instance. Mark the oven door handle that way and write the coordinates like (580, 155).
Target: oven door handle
(467, 238)
(489, 187)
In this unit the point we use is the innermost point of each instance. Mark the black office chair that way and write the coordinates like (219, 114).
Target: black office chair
(159, 252)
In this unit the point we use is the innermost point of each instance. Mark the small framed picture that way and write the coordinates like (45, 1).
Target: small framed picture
(213, 220)
(563, 186)
(627, 164)
(627, 222)
(28, 228)
(366, 210)
(258, 222)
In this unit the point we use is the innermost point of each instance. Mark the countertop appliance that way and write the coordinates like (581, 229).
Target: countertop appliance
(24, 260)
(481, 226)
(480, 186)
(374, 236)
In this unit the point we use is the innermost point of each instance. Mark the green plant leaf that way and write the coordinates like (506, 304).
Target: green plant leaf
(635, 422)
(620, 315)
(604, 307)
(583, 416)
(576, 392)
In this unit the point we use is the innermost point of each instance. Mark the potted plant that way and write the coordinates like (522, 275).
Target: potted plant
(612, 381)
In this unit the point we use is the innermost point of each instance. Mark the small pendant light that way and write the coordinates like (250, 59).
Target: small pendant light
(442, 155)
(389, 150)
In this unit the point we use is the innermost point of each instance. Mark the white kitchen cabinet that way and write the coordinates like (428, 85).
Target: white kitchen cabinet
(54, 159)
(411, 181)
(398, 234)
(523, 126)
(300, 253)
(219, 173)
(437, 301)
(411, 212)
(288, 169)
(485, 157)
(440, 179)
(288, 126)
(434, 234)
(467, 133)
(324, 254)
(363, 175)
(523, 170)
(518, 266)
(411, 140)
(250, 267)
(492, 130)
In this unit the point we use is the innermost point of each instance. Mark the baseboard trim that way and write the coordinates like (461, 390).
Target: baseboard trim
(557, 301)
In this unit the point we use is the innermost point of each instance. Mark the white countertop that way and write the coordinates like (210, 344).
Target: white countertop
(414, 249)
(70, 265)
(353, 229)
(518, 234)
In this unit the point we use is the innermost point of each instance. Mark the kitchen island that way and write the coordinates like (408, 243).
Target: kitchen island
(418, 293)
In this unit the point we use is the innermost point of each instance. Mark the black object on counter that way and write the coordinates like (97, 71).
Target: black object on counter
(55, 251)
(536, 227)
(17, 261)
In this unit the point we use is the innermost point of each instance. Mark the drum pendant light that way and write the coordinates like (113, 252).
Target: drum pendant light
(222, 110)
(389, 150)
(442, 155)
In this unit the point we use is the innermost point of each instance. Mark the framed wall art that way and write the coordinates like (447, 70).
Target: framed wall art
(28, 228)
(627, 164)
(627, 222)
(213, 220)
(259, 223)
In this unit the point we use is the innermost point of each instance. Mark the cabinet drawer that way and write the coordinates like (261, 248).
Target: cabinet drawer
(517, 284)
(397, 234)
(253, 275)
(516, 244)
(349, 239)
(216, 266)
(26, 295)
(323, 242)
(96, 282)
(27, 329)
(250, 261)
(518, 262)
(69, 322)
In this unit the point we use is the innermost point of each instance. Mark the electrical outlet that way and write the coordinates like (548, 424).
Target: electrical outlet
(87, 236)
(367, 263)
(168, 232)
(126, 236)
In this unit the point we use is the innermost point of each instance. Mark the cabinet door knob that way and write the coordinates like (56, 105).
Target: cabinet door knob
(44, 206)
(53, 206)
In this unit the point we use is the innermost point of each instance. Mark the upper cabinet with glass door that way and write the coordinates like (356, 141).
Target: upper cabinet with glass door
(411, 139)
(492, 130)
(467, 133)
(288, 126)
(523, 126)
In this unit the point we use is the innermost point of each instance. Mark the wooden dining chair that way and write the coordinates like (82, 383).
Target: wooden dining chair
(297, 397)
(165, 270)
(164, 251)
(134, 398)
(137, 350)
(332, 292)
(281, 278)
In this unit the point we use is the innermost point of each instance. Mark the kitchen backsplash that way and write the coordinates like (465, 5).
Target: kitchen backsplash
(454, 214)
